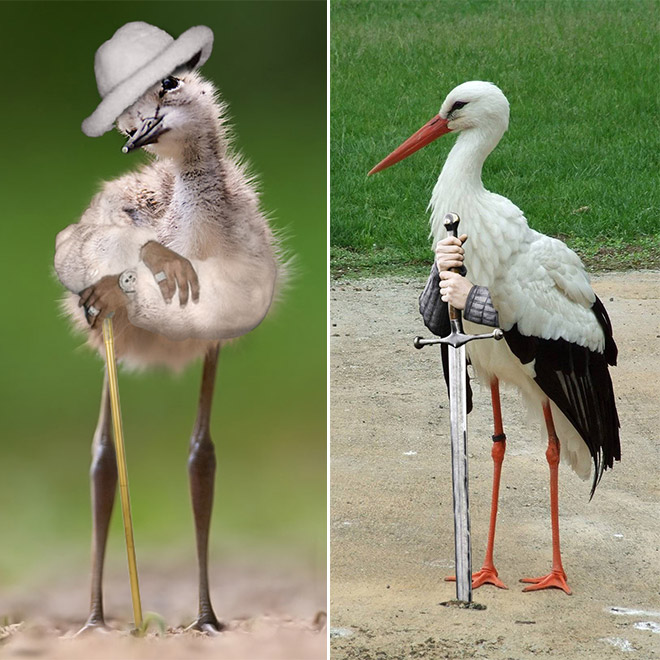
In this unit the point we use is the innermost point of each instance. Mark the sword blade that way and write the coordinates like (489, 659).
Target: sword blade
(459, 472)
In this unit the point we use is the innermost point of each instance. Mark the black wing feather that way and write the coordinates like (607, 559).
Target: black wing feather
(578, 381)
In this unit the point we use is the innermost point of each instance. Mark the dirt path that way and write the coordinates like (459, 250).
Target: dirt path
(273, 611)
(391, 515)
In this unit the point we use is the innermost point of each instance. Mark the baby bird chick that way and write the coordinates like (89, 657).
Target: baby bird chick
(182, 257)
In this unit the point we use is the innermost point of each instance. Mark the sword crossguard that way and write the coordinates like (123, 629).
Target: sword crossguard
(457, 339)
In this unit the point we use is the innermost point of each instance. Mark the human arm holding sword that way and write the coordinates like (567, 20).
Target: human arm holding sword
(454, 288)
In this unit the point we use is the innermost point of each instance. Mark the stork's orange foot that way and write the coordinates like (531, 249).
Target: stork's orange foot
(487, 575)
(553, 580)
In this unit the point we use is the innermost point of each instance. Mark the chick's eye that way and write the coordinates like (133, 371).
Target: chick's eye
(170, 83)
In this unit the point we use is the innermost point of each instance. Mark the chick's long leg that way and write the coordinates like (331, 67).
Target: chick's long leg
(103, 478)
(201, 472)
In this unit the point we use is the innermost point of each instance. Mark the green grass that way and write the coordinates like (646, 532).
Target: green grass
(581, 154)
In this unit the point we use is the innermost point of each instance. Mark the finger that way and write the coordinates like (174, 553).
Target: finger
(93, 300)
(456, 263)
(194, 285)
(84, 296)
(463, 238)
(93, 320)
(182, 283)
(447, 241)
(105, 314)
(449, 250)
(167, 287)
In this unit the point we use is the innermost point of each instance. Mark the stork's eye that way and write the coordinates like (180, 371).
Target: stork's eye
(458, 105)
(170, 83)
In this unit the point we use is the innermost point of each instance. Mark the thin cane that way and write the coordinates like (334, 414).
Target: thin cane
(109, 341)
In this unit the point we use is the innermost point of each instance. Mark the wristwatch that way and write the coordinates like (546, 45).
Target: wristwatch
(128, 281)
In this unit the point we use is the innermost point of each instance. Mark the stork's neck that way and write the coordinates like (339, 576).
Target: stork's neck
(460, 190)
(466, 159)
(459, 186)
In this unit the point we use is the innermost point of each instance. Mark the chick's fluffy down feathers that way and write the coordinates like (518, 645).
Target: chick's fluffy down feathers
(200, 203)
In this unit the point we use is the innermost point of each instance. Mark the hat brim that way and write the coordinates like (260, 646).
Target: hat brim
(181, 51)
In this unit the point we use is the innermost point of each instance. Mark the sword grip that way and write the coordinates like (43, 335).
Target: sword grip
(451, 222)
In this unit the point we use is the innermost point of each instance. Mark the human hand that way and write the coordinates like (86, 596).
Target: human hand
(454, 289)
(102, 299)
(449, 253)
(171, 270)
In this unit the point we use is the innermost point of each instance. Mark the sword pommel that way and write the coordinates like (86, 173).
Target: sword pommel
(451, 223)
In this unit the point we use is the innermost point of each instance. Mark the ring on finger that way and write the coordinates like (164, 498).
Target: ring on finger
(92, 311)
(160, 276)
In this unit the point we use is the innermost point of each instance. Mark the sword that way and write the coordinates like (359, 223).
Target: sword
(456, 340)
(111, 363)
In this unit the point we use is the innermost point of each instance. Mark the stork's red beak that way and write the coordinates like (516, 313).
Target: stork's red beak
(426, 134)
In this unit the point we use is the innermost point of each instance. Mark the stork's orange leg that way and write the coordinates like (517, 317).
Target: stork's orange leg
(488, 573)
(557, 577)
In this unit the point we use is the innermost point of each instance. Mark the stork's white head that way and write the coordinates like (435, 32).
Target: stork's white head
(474, 105)
(175, 112)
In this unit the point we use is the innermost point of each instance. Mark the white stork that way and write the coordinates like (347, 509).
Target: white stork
(558, 335)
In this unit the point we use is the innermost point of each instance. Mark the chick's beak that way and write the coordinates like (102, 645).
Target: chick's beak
(426, 134)
(147, 133)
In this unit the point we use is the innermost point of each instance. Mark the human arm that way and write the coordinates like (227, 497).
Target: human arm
(445, 287)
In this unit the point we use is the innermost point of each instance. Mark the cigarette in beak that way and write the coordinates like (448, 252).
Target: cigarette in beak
(147, 134)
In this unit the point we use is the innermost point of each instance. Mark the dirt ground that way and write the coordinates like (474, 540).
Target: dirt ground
(391, 504)
(272, 612)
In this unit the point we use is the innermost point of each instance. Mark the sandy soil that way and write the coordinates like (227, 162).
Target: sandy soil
(272, 612)
(391, 509)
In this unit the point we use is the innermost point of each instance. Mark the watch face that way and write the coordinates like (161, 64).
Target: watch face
(127, 281)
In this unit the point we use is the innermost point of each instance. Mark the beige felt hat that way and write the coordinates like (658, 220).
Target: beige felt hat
(135, 59)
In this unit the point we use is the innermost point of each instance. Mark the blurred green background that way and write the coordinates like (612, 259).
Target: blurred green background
(269, 420)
